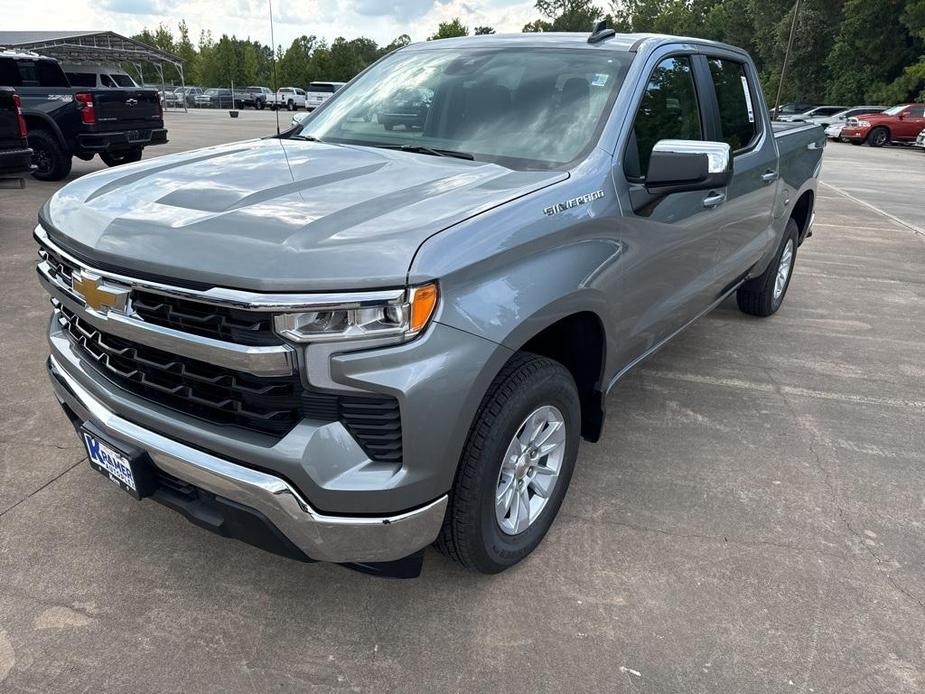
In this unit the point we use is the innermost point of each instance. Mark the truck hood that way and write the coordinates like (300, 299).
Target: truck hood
(277, 215)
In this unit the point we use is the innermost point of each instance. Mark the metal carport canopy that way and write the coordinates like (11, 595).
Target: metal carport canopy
(91, 47)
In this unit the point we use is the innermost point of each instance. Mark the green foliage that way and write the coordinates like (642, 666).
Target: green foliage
(448, 30)
(844, 51)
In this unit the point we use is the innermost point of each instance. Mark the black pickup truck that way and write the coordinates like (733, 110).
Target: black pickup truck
(65, 121)
(15, 155)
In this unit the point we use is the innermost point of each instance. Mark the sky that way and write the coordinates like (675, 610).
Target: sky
(381, 20)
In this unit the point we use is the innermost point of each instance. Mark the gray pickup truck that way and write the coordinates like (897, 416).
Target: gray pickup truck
(348, 342)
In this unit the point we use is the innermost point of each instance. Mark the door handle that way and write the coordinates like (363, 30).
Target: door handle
(714, 200)
(769, 176)
(813, 146)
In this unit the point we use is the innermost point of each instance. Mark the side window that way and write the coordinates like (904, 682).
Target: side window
(736, 111)
(916, 112)
(668, 111)
(9, 73)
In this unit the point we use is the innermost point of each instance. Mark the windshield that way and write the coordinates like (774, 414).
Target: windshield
(520, 107)
(895, 110)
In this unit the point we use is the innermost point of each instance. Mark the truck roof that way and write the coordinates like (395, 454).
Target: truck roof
(618, 42)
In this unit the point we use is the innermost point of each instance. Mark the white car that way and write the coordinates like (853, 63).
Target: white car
(87, 75)
(920, 141)
(289, 98)
(812, 114)
(833, 132)
(319, 92)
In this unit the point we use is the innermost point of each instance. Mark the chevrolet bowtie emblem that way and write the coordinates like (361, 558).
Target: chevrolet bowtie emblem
(97, 295)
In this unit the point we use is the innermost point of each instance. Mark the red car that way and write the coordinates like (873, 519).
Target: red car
(898, 124)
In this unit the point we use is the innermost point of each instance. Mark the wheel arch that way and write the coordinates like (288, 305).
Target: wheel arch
(41, 121)
(802, 212)
(578, 341)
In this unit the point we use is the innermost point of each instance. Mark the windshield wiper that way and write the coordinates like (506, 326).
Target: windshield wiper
(310, 138)
(421, 149)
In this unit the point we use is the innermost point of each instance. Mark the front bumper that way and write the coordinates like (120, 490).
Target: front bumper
(321, 537)
(122, 139)
(854, 133)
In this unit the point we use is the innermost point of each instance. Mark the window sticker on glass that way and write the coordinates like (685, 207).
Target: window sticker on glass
(600, 79)
(748, 100)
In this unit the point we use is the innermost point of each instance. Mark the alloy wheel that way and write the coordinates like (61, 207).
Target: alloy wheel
(530, 469)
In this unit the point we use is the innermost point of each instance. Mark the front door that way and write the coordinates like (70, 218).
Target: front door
(911, 124)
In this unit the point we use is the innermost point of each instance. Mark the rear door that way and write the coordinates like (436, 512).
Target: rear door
(669, 245)
(744, 219)
(912, 123)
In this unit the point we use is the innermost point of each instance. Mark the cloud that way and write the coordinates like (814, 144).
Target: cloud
(148, 7)
(401, 10)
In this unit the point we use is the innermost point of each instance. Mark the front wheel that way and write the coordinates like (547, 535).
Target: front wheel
(763, 295)
(515, 467)
(878, 137)
(126, 156)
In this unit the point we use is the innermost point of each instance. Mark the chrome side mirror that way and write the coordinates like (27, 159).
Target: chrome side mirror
(682, 165)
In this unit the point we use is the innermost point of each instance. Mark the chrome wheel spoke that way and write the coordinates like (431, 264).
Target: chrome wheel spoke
(529, 470)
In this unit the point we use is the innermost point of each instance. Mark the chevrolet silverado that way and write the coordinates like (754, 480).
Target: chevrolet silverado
(350, 341)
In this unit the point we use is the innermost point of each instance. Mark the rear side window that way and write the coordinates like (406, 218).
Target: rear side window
(668, 111)
(9, 73)
(736, 111)
(916, 112)
(82, 79)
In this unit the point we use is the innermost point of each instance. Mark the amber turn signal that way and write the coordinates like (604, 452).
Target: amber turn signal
(423, 302)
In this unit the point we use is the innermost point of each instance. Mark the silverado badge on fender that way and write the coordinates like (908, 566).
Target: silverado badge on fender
(574, 202)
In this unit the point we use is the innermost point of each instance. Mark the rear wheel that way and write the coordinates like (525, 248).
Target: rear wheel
(289, 105)
(878, 137)
(51, 162)
(763, 295)
(126, 156)
(515, 467)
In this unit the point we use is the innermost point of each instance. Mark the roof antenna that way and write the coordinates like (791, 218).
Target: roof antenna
(275, 80)
(601, 32)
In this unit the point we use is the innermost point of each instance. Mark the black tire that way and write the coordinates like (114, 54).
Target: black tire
(471, 534)
(290, 106)
(388, 126)
(260, 105)
(51, 162)
(125, 156)
(756, 297)
(878, 137)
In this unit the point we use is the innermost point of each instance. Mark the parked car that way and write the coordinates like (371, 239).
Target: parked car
(172, 99)
(188, 94)
(835, 123)
(215, 97)
(812, 114)
(843, 116)
(346, 353)
(15, 154)
(920, 141)
(319, 92)
(255, 97)
(289, 98)
(87, 75)
(66, 122)
(407, 108)
(897, 124)
(791, 108)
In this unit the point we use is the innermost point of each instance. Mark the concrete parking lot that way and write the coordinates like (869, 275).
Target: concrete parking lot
(753, 519)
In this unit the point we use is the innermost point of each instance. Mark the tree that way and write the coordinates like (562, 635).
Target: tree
(481, 31)
(568, 15)
(448, 30)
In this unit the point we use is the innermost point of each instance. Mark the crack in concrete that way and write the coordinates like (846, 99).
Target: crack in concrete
(49, 482)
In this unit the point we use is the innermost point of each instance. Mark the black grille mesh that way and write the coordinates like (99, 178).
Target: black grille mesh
(270, 405)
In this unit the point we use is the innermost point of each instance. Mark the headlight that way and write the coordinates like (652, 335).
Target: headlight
(360, 318)
(863, 123)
